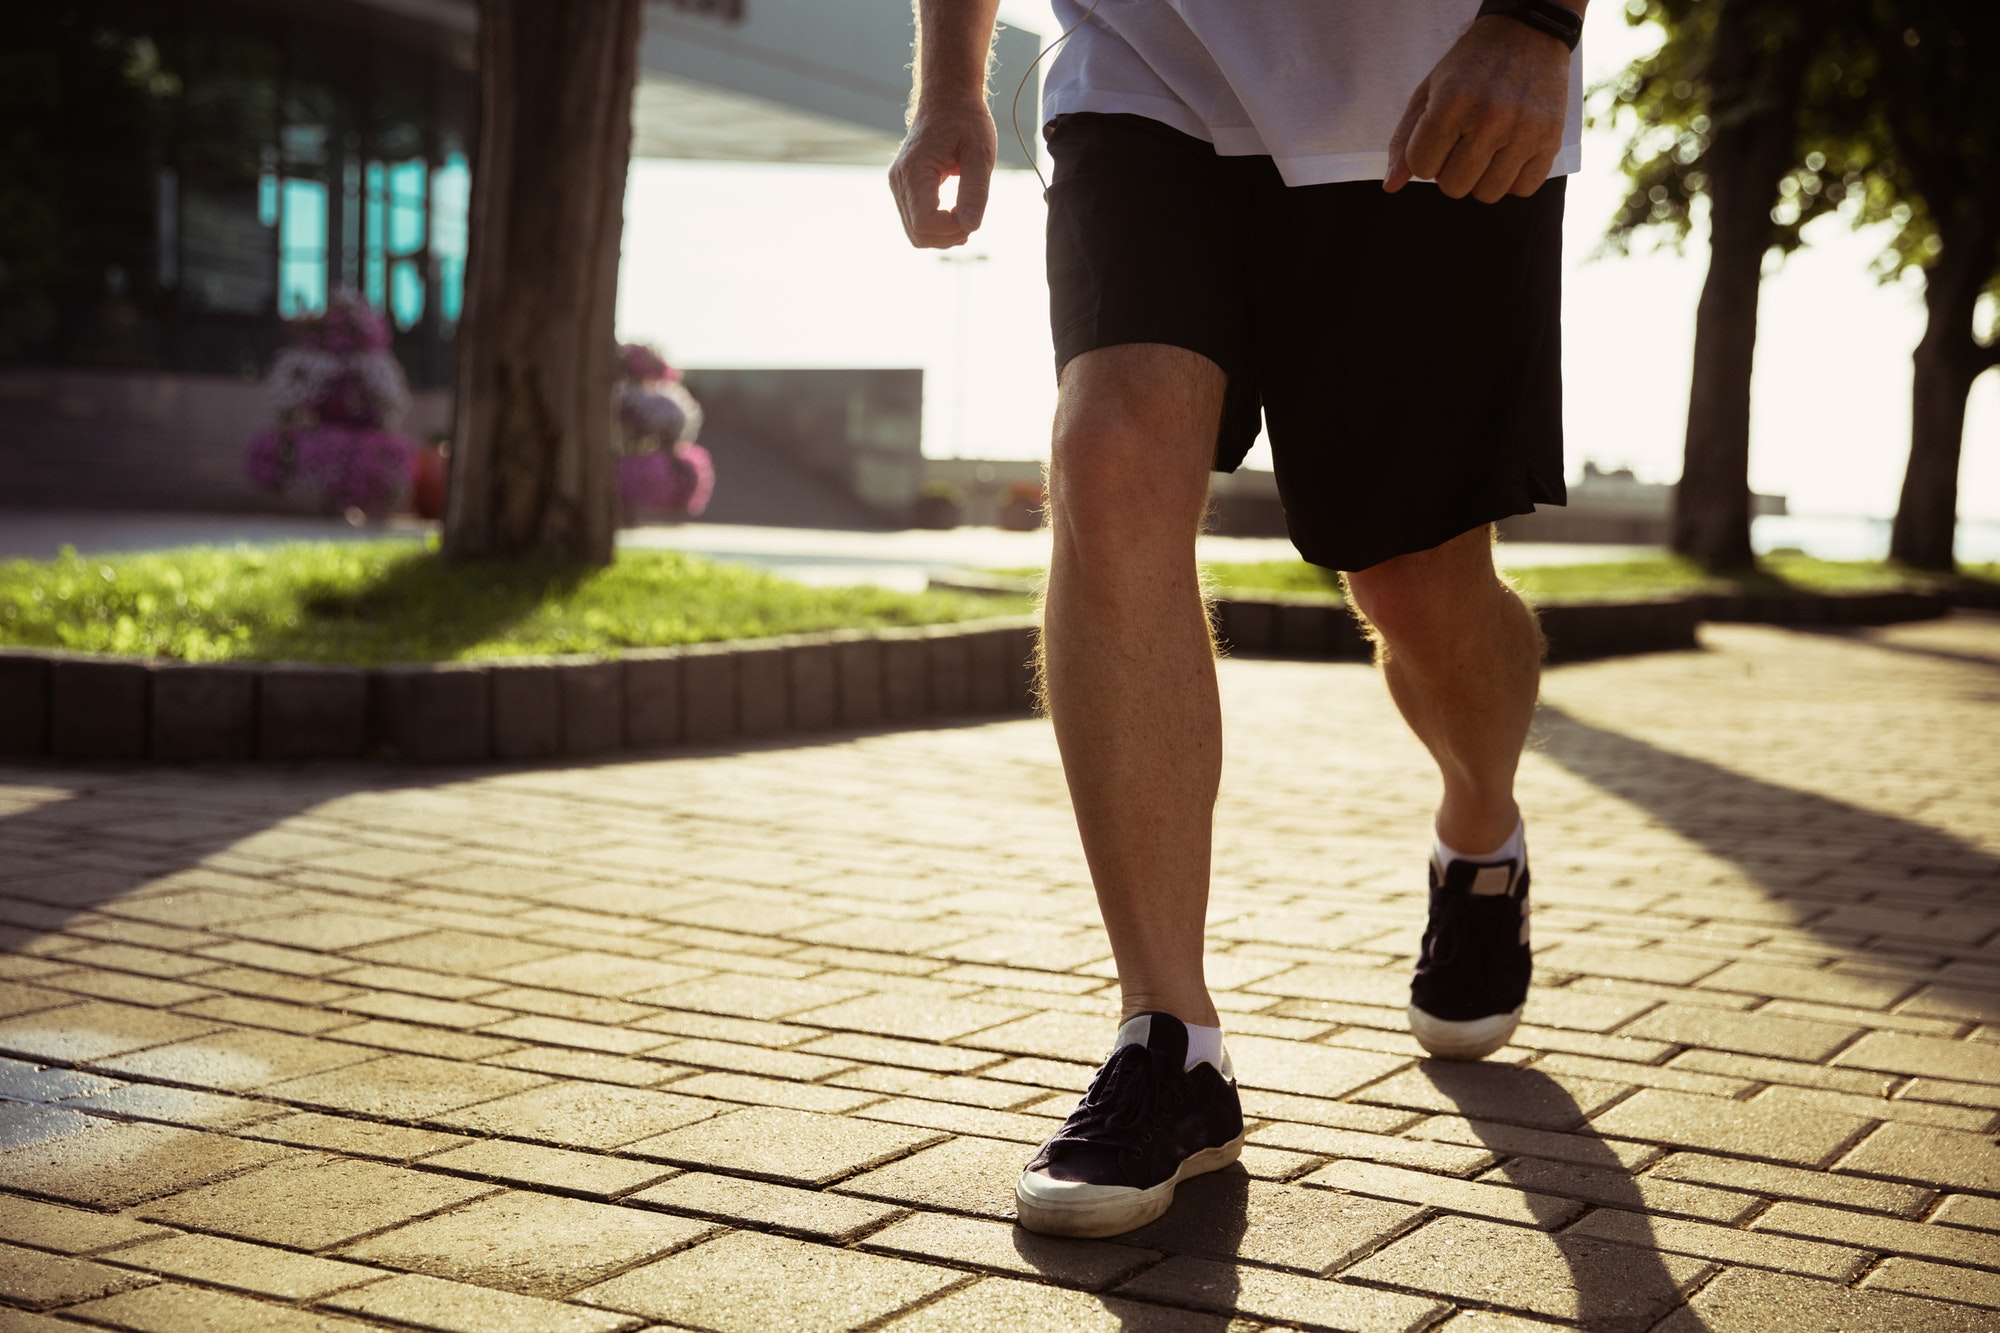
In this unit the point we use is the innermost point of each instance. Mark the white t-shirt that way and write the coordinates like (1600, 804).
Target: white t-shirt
(1317, 85)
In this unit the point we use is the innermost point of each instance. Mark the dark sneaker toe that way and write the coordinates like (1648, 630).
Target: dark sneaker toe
(1472, 976)
(1145, 1125)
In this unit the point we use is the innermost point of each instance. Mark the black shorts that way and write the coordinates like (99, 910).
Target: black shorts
(1405, 349)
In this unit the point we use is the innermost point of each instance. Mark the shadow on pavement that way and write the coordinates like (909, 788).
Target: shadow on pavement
(1621, 1285)
(1796, 846)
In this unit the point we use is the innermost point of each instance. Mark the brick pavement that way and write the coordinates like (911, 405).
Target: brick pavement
(757, 1040)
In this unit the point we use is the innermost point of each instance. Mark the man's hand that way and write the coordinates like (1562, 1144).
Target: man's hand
(961, 142)
(1489, 120)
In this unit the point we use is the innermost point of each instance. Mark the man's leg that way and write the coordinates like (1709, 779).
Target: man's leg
(1462, 655)
(1128, 665)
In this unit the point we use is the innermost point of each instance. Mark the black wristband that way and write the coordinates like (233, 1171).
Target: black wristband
(1557, 20)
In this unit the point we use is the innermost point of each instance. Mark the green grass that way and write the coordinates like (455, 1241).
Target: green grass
(1659, 576)
(375, 602)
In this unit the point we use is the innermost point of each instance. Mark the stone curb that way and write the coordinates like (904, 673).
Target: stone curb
(80, 706)
(1576, 631)
(83, 707)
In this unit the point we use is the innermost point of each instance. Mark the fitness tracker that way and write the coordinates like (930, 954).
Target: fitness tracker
(1557, 20)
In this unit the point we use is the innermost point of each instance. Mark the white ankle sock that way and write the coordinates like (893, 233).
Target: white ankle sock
(1513, 849)
(1205, 1044)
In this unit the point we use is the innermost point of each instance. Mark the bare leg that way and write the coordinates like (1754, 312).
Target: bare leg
(1462, 655)
(1128, 664)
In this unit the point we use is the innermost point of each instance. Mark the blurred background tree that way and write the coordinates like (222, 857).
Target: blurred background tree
(533, 457)
(1768, 114)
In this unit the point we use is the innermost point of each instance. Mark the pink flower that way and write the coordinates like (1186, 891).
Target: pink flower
(268, 461)
(348, 467)
(642, 365)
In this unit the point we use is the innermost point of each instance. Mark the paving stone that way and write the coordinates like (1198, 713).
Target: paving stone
(1944, 1282)
(1563, 1064)
(168, 1307)
(754, 1091)
(747, 1282)
(1584, 1149)
(1226, 1215)
(584, 1115)
(457, 951)
(1724, 1244)
(350, 1198)
(120, 1164)
(43, 1281)
(1746, 1300)
(1001, 1305)
(48, 1226)
(747, 996)
(1802, 984)
(1618, 1189)
(740, 1058)
(1933, 1057)
(404, 1087)
(1965, 1210)
(1494, 1200)
(23, 1125)
(1446, 1158)
(354, 1138)
(591, 1066)
(1305, 1069)
(531, 1244)
(459, 1307)
(795, 1147)
(1720, 1125)
(1930, 1156)
(1225, 1288)
(1789, 1182)
(21, 1321)
(595, 974)
(179, 1106)
(1887, 1235)
(94, 1030)
(551, 1168)
(1815, 1101)
(1751, 1034)
(23, 1081)
(964, 1175)
(831, 1217)
(1793, 1072)
(238, 1060)
(1093, 1265)
(1058, 1036)
(258, 1269)
(1575, 1278)
(1673, 969)
(1495, 1092)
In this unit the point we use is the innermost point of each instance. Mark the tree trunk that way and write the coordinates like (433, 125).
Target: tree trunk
(1947, 362)
(1754, 91)
(532, 473)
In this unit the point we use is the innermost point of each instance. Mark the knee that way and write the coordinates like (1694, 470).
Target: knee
(1112, 491)
(1404, 607)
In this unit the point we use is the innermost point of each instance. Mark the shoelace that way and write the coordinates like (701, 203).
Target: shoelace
(1124, 1106)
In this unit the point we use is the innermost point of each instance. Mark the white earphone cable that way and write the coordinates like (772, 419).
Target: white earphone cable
(1014, 113)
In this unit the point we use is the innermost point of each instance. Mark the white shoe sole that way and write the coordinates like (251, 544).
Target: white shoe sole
(1109, 1210)
(1474, 1039)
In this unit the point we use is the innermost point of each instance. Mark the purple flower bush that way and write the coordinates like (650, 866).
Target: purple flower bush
(662, 470)
(338, 393)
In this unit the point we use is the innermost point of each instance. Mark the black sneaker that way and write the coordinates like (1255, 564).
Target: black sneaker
(1144, 1127)
(1472, 977)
